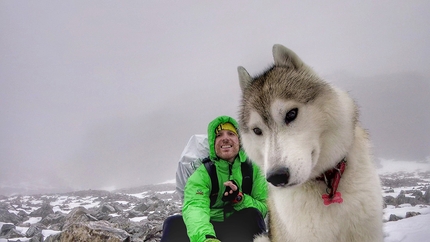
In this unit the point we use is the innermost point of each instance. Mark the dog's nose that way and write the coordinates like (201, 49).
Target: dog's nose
(278, 177)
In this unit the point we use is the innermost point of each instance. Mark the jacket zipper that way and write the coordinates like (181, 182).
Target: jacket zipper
(230, 166)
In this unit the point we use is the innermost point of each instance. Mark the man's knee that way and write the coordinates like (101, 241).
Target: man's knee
(174, 229)
(250, 218)
(251, 213)
(173, 221)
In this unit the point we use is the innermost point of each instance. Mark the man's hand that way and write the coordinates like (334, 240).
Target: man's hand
(212, 240)
(231, 187)
(231, 193)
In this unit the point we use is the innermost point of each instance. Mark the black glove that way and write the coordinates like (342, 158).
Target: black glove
(231, 197)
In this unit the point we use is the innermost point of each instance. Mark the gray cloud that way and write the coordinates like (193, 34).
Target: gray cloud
(392, 109)
(103, 94)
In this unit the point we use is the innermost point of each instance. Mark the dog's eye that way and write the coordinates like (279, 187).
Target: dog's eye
(257, 131)
(291, 115)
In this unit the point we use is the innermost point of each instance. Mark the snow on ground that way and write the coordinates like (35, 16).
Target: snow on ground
(33, 220)
(403, 209)
(138, 219)
(139, 195)
(169, 181)
(45, 233)
(410, 229)
(405, 230)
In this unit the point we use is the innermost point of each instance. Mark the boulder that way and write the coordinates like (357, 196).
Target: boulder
(402, 199)
(394, 217)
(107, 208)
(427, 195)
(43, 211)
(142, 207)
(411, 214)
(33, 230)
(37, 238)
(53, 218)
(9, 231)
(390, 200)
(78, 215)
(8, 217)
(5, 228)
(95, 231)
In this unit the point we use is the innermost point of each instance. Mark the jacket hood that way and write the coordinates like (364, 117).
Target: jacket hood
(211, 136)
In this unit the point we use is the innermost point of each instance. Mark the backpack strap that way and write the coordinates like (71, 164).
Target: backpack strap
(247, 175)
(211, 169)
(247, 178)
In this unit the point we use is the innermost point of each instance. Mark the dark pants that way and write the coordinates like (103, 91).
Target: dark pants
(241, 226)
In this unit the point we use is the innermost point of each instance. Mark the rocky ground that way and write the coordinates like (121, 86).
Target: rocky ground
(137, 214)
(127, 215)
(401, 188)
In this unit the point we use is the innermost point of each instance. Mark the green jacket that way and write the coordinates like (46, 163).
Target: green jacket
(196, 209)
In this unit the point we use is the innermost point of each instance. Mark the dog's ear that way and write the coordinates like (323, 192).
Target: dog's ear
(244, 78)
(286, 57)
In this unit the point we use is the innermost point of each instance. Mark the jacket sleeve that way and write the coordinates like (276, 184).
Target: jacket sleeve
(196, 207)
(259, 193)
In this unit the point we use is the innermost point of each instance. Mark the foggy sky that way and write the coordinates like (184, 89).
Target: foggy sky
(105, 94)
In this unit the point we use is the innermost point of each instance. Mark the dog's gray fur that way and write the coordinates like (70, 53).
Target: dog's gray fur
(324, 131)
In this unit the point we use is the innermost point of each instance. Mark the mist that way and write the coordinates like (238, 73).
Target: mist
(105, 95)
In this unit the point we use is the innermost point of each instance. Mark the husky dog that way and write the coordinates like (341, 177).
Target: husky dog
(305, 135)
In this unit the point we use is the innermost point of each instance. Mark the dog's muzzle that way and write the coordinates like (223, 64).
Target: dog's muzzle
(278, 177)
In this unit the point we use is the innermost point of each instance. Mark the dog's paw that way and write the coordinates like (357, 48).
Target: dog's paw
(262, 238)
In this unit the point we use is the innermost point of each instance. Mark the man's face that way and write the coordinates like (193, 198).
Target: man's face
(226, 145)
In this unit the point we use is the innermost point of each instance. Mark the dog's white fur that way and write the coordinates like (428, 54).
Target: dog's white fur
(325, 130)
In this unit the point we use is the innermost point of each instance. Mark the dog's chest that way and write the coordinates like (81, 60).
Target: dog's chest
(304, 202)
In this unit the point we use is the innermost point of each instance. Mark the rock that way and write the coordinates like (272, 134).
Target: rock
(7, 217)
(400, 179)
(22, 214)
(56, 227)
(53, 238)
(157, 216)
(9, 231)
(133, 214)
(142, 207)
(95, 231)
(154, 203)
(417, 194)
(33, 230)
(53, 218)
(152, 231)
(78, 215)
(402, 199)
(6, 228)
(37, 238)
(107, 208)
(389, 190)
(119, 208)
(5, 206)
(394, 217)
(43, 211)
(35, 233)
(390, 200)
(411, 214)
(427, 195)
(101, 216)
